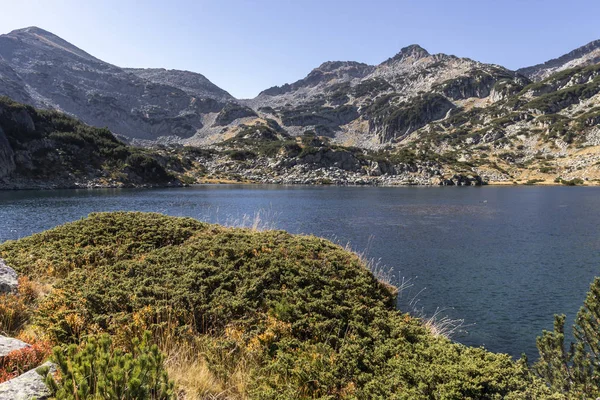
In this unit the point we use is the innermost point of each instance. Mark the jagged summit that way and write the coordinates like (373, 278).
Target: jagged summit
(350, 101)
(324, 73)
(413, 52)
(32, 29)
(582, 56)
(333, 65)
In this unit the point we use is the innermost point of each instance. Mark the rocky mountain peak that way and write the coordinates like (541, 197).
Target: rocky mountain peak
(413, 52)
(325, 73)
(330, 66)
(34, 30)
(42, 39)
(582, 56)
(41, 69)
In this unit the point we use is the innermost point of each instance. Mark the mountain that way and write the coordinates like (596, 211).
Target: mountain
(342, 100)
(368, 105)
(414, 118)
(580, 57)
(41, 69)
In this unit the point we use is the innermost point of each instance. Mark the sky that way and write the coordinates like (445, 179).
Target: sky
(245, 47)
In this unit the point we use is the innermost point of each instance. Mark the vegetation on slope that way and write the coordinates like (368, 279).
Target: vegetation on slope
(50, 146)
(245, 314)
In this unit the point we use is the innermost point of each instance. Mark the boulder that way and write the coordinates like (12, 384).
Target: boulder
(8, 344)
(8, 278)
(28, 386)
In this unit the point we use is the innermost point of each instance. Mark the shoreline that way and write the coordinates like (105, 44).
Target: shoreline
(49, 187)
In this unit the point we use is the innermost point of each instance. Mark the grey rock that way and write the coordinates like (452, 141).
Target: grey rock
(8, 344)
(492, 136)
(231, 112)
(190, 82)
(330, 158)
(8, 278)
(28, 386)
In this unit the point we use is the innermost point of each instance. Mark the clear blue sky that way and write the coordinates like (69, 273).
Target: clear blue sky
(247, 46)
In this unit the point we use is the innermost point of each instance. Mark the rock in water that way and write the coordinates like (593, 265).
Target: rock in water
(28, 386)
(9, 344)
(8, 278)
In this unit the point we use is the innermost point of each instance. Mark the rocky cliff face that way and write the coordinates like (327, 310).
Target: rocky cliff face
(580, 57)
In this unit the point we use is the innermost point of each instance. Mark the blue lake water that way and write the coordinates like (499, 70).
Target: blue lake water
(504, 259)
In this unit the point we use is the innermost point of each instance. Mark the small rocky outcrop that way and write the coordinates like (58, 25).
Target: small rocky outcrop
(28, 386)
(462, 180)
(231, 112)
(479, 85)
(329, 158)
(8, 278)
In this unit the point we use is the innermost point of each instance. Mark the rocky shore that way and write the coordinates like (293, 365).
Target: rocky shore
(29, 385)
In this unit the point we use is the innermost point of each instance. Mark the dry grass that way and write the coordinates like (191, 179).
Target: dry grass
(262, 220)
(383, 273)
(191, 374)
(187, 365)
(16, 308)
(186, 359)
(440, 324)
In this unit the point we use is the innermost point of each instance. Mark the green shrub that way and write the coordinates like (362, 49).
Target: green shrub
(241, 155)
(98, 371)
(533, 181)
(574, 371)
(147, 167)
(572, 182)
(310, 316)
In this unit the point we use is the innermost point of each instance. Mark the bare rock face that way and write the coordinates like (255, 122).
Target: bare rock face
(8, 278)
(190, 82)
(28, 386)
(8, 345)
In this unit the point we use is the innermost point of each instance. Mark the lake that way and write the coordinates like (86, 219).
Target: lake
(503, 259)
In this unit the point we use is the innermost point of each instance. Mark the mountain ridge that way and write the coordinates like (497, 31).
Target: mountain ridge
(352, 103)
(582, 56)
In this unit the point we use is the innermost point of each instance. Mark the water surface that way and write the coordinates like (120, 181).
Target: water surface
(504, 259)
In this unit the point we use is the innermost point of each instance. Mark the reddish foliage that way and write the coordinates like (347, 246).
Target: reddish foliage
(20, 361)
